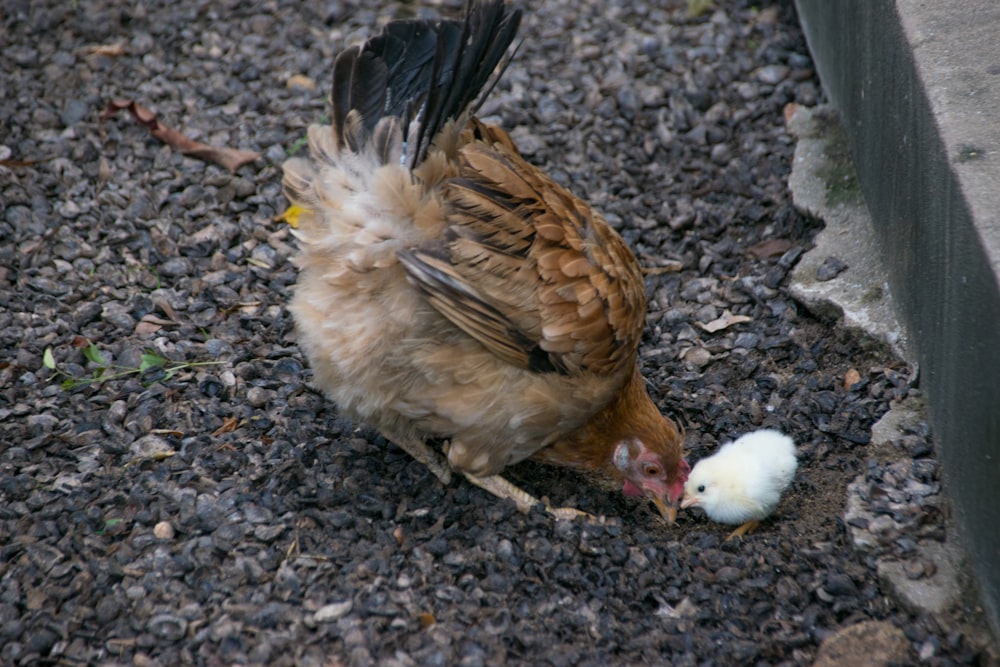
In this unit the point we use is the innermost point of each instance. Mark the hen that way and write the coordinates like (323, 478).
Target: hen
(451, 291)
(743, 481)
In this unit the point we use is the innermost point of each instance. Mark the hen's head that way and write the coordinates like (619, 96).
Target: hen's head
(646, 455)
(631, 442)
(654, 468)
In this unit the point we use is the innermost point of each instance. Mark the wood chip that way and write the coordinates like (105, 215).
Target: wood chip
(770, 248)
(724, 321)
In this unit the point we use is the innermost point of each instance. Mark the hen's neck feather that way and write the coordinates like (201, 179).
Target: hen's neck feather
(630, 414)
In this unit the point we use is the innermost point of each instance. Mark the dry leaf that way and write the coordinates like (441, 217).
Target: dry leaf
(698, 356)
(168, 431)
(79, 342)
(7, 162)
(767, 16)
(301, 81)
(109, 50)
(770, 248)
(724, 321)
(230, 158)
(851, 378)
(427, 619)
(228, 426)
(150, 324)
(789, 110)
(397, 533)
(164, 305)
(665, 266)
(229, 310)
(104, 173)
(11, 164)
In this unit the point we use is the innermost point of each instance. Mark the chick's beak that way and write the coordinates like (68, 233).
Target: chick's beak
(689, 501)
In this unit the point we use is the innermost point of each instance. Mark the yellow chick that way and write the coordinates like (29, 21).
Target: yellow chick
(743, 481)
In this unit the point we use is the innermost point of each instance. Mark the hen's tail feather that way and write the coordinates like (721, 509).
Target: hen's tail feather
(428, 70)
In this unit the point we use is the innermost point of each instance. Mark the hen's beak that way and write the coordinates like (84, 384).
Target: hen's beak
(669, 512)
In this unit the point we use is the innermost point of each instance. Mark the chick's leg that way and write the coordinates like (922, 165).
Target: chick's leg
(422, 452)
(744, 530)
(501, 488)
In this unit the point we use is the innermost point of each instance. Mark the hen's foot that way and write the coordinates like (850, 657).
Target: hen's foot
(501, 488)
(744, 530)
(423, 452)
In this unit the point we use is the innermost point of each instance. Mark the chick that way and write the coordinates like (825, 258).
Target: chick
(743, 481)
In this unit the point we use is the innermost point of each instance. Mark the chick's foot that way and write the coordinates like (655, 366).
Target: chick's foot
(744, 530)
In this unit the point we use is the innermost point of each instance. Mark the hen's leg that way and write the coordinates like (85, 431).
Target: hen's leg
(501, 488)
(423, 452)
(744, 530)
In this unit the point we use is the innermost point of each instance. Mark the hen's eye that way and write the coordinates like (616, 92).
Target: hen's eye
(701, 488)
(652, 471)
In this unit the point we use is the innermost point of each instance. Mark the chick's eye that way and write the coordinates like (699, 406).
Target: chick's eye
(701, 488)
(652, 470)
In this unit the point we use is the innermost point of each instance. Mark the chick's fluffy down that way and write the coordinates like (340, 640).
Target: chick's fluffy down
(744, 480)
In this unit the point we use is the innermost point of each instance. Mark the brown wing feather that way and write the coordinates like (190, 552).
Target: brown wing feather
(528, 269)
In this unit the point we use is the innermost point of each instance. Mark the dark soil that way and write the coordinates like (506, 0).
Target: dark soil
(225, 514)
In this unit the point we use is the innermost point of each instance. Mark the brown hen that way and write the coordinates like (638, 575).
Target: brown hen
(451, 291)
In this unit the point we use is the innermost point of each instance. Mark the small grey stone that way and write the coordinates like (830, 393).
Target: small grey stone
(175, 267)
(333, 611)
(267, 533)
(118, 315)
(840, 584)
(721, 154)
(228, 536)
(74, 111)
(746, 340)
(830, 269)
(167, 626)
(150, 447)
(772, 74)
(217, 348)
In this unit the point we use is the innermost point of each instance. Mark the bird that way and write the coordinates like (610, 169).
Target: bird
(743, 481)
(454, 296)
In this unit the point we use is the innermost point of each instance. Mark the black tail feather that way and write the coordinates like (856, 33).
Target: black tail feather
(431, 70)
(360, 80)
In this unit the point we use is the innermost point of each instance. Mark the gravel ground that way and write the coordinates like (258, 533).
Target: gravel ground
(214, 509)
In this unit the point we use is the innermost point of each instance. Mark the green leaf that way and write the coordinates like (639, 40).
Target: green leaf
(93, 354)
(297, 146)
(696, 8)
(69, 383)
(48, 360)
(150, 360)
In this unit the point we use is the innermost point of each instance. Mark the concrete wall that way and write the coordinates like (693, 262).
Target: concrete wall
(918, 86)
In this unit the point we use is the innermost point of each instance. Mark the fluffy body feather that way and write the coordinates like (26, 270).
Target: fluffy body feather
(449, 290)
(743, 481)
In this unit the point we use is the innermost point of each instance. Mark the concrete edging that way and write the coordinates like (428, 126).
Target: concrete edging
(918, 87)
